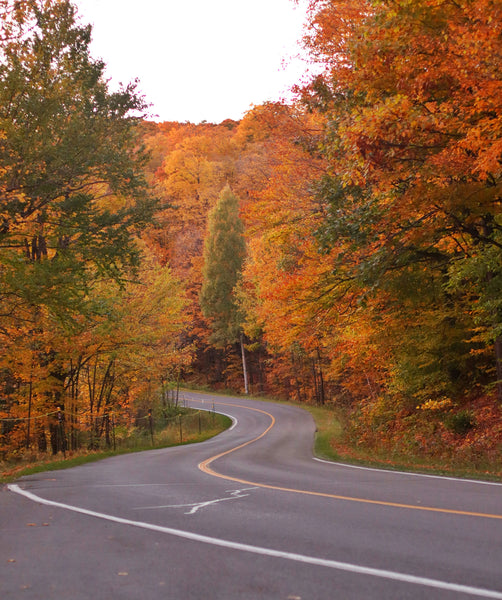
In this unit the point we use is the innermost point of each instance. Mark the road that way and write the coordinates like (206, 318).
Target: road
(248, 515)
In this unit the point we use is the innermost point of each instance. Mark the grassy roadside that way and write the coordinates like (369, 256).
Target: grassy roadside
(330, 444)
(164, 439)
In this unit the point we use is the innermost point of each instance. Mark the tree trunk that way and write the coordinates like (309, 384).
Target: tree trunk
(498, 359)
(314, 376)
(322, 396)
(498, 351)
(244, 365)
(30, 399)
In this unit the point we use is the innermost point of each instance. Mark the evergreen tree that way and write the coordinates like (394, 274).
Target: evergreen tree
(224, 253)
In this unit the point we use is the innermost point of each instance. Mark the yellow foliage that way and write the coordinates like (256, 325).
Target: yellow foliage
(436, 405)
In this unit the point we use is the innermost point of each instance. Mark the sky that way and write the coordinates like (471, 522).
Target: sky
(199, 60)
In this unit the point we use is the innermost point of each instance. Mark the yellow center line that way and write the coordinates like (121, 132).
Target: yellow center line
(205, 468)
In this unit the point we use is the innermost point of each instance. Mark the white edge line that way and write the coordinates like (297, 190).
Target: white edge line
(231, 417)
(310, 560)
(234, 420)
(410, 473)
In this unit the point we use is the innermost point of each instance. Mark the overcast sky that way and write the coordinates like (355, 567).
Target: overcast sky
(199, 59)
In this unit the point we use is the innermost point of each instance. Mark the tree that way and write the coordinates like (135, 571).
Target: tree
(71, 182)
(73, 195)
(224, 253)
(283, 264)
(413, 189)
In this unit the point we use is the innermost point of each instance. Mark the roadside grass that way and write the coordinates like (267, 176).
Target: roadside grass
(33, 463)
(331, 444)
(328, 428)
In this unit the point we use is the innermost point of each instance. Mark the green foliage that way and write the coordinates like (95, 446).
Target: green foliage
(433, 360)
(224, 253)
(88, 319)
(460, 422)
(351, 214)
(480, 274)
(71, 182)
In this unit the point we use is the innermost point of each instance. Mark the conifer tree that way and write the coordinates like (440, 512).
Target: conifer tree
(224, 253)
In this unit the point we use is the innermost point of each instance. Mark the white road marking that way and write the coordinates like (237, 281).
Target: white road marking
(234, 494)
(309, 560)
(410, 473)
(231, 417)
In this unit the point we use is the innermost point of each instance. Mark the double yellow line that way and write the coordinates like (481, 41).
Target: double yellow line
(205, 467)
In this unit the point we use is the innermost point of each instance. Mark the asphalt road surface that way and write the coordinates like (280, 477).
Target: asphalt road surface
(248, 515)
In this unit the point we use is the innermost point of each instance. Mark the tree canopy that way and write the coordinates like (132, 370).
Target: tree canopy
(72, 188)
(74, 202)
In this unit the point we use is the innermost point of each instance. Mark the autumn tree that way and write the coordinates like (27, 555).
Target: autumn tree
(284, 267)
(73, 194)
(224, 253)
(413, 188)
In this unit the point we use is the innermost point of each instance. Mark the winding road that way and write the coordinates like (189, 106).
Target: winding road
(249, 514)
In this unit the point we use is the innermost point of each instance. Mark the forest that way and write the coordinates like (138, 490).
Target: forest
(342, 250)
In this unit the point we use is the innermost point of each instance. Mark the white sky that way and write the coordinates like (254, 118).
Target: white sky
(199, 59)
